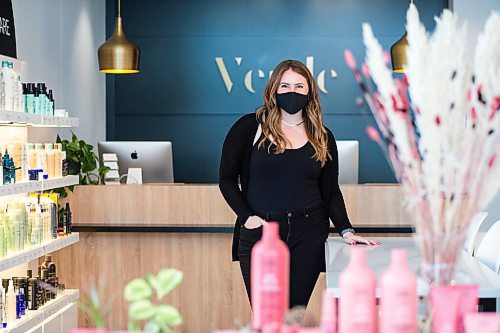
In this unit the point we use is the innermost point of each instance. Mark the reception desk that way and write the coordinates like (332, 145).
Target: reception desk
(129, 231)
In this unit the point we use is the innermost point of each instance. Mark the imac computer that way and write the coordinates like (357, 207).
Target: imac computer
(348, 161)
(153, 157)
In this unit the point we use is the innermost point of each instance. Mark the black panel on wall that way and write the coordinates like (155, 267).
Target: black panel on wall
(181, 96)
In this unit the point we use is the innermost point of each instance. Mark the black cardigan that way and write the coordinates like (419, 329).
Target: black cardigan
(235, 163)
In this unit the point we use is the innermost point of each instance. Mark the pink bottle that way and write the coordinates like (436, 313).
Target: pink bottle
(357, 295)
(398, 296)
(328, 313)
(270, 271)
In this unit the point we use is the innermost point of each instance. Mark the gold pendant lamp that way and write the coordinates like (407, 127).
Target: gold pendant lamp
(118, 55)
(398, 54)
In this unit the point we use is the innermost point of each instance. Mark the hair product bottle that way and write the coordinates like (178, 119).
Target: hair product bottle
(270, 270)
(58, 160)
(50, 267)
(67, 220)
(357, 295)
(328, 322)
(3, 240)
(2, 305)
(43, 97)
(398, 296)
(10, 303)
(30, 95)
(49, 153)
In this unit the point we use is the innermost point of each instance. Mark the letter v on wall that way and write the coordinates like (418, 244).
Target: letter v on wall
(224, 73)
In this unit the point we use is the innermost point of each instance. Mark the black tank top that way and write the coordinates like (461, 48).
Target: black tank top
(283, 182)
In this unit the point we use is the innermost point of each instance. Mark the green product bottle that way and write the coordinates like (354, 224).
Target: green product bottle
(29, 100)
(3, 252)
(7, 233)
(31, 223)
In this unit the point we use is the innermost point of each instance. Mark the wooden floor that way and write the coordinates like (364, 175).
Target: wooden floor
(211, 296)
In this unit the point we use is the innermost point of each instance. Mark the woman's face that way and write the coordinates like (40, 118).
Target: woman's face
(292, 81)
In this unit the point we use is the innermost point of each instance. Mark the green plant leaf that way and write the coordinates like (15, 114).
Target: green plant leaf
(153, 327)
(141, 310)
(104, 170)
(58, 139)
(168, 279)
(137, 290)
(168, 315)
(133, 326)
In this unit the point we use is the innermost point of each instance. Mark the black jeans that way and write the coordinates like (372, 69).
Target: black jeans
(305, 233)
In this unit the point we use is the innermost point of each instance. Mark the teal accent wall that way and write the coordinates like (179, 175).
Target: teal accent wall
(180, 95)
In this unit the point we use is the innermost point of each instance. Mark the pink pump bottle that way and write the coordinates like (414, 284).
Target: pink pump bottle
(270, 271)
(357, 312)
(328, 322)
(398, 296)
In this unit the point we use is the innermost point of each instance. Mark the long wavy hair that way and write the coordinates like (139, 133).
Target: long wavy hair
(269, 115)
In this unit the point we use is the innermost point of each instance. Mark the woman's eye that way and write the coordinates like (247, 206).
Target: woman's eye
(284, 86)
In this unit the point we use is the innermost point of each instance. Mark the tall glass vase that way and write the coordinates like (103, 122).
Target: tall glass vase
(440, 253)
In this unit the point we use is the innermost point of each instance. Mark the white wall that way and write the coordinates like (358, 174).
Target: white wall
(475, 13)
(59, 40)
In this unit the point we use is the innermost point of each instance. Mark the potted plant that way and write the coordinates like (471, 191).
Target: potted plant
(96, 309)
(82, 161)
(155, 316)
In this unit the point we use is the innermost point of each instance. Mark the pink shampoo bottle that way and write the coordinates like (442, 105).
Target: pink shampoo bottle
(328, 322)
(270, 271)
(357, 311)
(398, 296)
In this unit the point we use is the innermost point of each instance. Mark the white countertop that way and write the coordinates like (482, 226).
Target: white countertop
(468, 269)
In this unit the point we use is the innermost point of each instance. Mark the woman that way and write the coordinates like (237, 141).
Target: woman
(286, 161)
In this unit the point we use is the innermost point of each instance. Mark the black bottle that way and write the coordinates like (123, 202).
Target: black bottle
(67, 219)
(5, 285)
(47, 290)
(50, 266)
(31, 303)
(54, 220)
(40, 290)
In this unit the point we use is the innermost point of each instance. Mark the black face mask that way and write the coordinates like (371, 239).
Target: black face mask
(292, 102)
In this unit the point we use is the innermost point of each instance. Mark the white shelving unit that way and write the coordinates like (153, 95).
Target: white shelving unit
(35, 120)
(37, 251)
(40, 185)
(16, 125)
(36, 318)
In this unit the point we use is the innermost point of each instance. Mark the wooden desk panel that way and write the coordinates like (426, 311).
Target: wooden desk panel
(204, 205)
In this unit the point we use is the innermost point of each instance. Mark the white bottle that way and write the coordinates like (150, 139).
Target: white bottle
(19, 94)
(1, 306)
(13, 86)
(9, 87)
(5, 85)
(37, 228)
(10, 303)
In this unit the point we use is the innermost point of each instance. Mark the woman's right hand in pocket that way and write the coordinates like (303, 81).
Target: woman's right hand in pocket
(254, 222)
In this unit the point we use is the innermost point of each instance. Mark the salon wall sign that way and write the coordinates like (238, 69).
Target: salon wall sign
(259, 74)
(7, 30)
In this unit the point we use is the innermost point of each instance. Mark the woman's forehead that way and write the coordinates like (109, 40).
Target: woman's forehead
(289, 76)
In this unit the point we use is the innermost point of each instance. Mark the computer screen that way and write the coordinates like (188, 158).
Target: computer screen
(153, 157)
(348, 161)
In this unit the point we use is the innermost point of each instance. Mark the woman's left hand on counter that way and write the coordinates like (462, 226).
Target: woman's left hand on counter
(353, 239)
